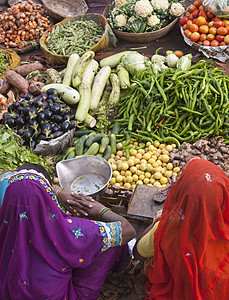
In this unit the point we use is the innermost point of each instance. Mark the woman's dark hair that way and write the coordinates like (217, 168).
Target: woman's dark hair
(38, 168)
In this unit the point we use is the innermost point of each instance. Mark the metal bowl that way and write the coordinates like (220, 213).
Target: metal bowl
(86, 174)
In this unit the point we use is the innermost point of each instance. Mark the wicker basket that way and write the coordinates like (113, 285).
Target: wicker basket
(61, 9)
(140, 37)
(107, 41)
(13, 59)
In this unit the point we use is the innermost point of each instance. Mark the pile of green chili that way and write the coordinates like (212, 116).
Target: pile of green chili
(74, 37)
(3, 62)
(176, 106)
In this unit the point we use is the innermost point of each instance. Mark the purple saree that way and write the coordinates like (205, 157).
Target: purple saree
(45, 253)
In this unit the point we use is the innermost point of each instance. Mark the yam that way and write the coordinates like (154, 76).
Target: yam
(25, 69)
(4, 86)
(17, 81)
(35, 87)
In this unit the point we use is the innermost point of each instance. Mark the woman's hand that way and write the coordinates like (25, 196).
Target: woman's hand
(166, 189)
(85, 205)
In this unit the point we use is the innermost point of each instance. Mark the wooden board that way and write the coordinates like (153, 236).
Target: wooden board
(142, 203)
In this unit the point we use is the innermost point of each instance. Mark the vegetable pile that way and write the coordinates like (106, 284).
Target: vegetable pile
(3, 62)
(38, 118)
(74, 37)
(13, 154)
(142, 15)
(203, 27)
(22, 24)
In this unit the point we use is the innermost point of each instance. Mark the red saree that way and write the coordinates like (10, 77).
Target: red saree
(191, 247)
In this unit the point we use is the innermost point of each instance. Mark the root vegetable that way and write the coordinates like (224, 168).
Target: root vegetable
(25, 69)
(17, 81)
(53, 76)
(35, 87)
(4, 86)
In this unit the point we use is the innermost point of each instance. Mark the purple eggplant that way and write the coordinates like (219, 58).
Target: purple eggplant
(55, 108)
(65, 126)
(41, 117)
(48, 114)
(53, 97)
(20, 122)
(51, 91)
(28, 96)
(10, 122)
(57, 119)
(56, 134)
(44, 96)
(27, 134)
(72, 124)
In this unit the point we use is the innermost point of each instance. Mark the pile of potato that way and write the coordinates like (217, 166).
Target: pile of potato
(147, 164)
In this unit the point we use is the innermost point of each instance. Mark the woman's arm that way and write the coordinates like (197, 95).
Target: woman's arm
(135, 251)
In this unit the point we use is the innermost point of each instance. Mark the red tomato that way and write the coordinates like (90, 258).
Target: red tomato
(194, 20)
(226, 22)
(200, 21)
(210, 15)
(210, 37)
(195, 36)
(227, 27)
(218, 23)
(202, 14)
(222, 30)
(203, 29)
(189, 23)
(226, 39)
(194, 28)
(178, 53)
(202, 8)
(213, 30)
(185, 26)
(200, 43)
(192, 8)
(214, 43)
(210, 24)
(183, 20)
(187, 33)
(188, 14)
(222, 44)
(197, 3)
(206, 43)
(195, 13)
(219, 37)
(217, 18)
(203, 37)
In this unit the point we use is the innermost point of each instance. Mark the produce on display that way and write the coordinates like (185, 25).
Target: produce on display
(218, 7)
(74, 37)
(13, 153)
(140, 16)
(22, 24)
(203, 27)
(43, 117)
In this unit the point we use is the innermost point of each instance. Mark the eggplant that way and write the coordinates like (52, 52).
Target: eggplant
(51, 91)
(20, 109)
(44, 96)
(33, 123)
(46, 129)
(10, 122)
(42, 137)
(49, 101)
(53, 97)
(27, 134)
(55, 128)
(32, 144)
(37, 102)
(5, 116)
(32, 112)
(41, 117)
(26, 118)
(15, 105)
(44, 105)
(56, 134)
(48, 114)
(72, 124)
(11, 108)
(28, 96)
(66, 117)
(65, 126)
(55, 108)
(57, 119)
(26, 110)
(20, 122)
(20, 131)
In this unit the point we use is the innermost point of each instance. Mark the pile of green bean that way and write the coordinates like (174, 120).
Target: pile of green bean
(74, 37)
(3, 62)
(176, 106)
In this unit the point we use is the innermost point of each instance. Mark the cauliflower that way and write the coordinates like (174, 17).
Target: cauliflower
(153, 20)
(160, 4)
(121, 20)
(176, 9)
(143, 8)
(131, 19)
(119, 3)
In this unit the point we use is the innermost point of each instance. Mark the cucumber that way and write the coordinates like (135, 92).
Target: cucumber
(72, 60)
(84, 102)
(107, 153)
(115, 93)
(68, 94)
(116, 128)
(89, 72)
(123, 76)
(71, 154)
(79, 146)
(90, 121)
(99, 154)
(80, 66)
(79, 133)
(94, 138)
(113, 60)
(113, 143)
(93, 149)
(65, 154)
(98, 86)
(103, 145)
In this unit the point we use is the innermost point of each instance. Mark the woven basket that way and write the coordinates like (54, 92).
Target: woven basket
(106, 42)
(61, 9)
(140, 37)
(13, 59)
